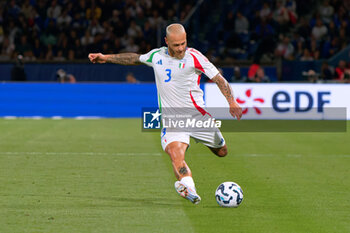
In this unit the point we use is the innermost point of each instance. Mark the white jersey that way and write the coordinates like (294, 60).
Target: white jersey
(178, 79)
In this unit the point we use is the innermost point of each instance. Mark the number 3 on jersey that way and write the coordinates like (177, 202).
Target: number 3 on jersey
(168, 73)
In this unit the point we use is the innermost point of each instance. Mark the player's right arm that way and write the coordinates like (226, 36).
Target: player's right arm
(121, 58)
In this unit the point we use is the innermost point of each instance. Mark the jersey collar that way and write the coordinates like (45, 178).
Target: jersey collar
(167, 52)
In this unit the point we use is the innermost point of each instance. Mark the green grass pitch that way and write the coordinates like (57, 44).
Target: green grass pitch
(108, 176)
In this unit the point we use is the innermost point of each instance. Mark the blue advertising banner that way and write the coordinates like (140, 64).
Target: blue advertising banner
(74, 100)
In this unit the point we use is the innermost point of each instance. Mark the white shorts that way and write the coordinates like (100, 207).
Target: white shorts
(212, 139)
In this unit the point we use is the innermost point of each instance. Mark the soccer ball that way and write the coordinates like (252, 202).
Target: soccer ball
(229, 194)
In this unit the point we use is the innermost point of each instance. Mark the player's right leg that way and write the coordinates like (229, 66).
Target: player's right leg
(176, 150)
(175, 145)
(185, 185)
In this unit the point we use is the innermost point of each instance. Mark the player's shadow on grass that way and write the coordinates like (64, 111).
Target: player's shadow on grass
(116, 201)
(133, 201)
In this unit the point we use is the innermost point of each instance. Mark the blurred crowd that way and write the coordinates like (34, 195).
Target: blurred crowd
(304, 30)
(60, 30)
(340, 73)
(298, 30)
(321, 37)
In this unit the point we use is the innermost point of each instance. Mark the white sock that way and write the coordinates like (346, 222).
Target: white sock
(187, 180)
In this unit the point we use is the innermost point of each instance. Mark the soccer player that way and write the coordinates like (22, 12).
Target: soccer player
(177, 70)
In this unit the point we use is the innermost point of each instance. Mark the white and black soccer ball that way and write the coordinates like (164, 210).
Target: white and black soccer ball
(229, 194)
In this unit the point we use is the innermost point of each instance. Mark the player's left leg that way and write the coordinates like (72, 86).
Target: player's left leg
(221, 151)
(213, 140)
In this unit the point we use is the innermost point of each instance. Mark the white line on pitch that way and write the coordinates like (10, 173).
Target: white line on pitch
(79, 153)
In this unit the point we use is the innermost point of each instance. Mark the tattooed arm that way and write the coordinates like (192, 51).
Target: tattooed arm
(121, 58)
(226, 90)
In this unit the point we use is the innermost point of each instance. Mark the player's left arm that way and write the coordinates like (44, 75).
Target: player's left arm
(226, 90)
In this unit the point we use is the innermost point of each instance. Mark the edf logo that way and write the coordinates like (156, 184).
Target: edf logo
(284, 97)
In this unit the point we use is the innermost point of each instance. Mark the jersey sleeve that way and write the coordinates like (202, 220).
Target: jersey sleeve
(202, 64)
(148, 57)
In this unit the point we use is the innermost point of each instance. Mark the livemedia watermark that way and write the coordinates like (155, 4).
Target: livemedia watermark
(263, 120)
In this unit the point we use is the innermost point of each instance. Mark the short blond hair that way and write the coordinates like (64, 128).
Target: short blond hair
(175, 28)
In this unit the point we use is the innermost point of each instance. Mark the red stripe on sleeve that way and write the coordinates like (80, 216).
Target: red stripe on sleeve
(197, 65)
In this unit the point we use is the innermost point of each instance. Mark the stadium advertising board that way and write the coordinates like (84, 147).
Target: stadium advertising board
(284, 101)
